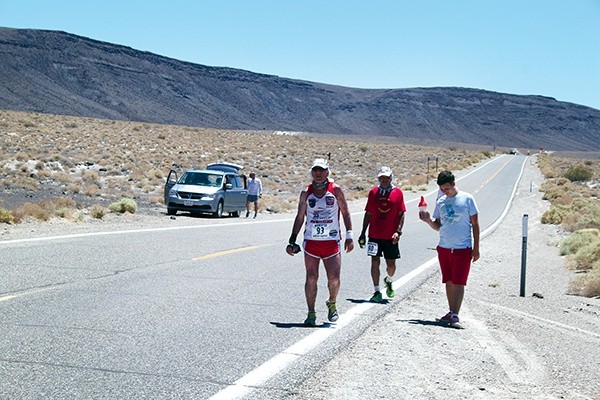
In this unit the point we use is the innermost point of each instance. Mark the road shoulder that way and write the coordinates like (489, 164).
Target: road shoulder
(537, 346)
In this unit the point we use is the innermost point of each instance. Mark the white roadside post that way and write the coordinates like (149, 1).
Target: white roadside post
(524, 255)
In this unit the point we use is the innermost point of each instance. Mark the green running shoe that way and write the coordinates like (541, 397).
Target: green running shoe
(311, 319)
(389, 290)
(377, 297)
(332, 315)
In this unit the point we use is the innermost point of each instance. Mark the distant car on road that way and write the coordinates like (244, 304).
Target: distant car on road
(218, 189)
(513, 151)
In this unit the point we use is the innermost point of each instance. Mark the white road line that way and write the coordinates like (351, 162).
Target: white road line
(28, 292)
(276, 364)
(109, 233)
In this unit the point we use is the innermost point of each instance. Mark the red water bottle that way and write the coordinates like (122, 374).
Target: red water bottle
(422, 205)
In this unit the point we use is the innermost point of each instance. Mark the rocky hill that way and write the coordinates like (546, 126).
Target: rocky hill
(60, 73)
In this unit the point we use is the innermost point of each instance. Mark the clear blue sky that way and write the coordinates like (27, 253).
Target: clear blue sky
(541, 47)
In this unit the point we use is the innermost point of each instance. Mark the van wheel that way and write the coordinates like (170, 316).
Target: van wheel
(171, 211)
(219, 212)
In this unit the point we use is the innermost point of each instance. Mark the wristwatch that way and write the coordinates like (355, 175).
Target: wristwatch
(399, 233)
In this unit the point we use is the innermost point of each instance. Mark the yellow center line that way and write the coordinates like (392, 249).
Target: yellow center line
(226, 252)
(493, 176)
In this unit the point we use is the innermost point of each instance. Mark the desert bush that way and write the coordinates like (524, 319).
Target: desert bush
(98, 212)
(276, 204)
(6, 216)
(90, 177)
(156, 200)
(123, 206)
(578, 173)
(32, 210)
(578, 240)
(555, 215)
(91, 190)
(63, 212)
(65, 202)
(586, 284)
(583, 213)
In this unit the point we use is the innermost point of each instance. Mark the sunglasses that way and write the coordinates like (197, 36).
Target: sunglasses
(319, 169)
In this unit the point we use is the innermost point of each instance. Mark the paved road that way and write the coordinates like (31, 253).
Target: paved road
(210, 309)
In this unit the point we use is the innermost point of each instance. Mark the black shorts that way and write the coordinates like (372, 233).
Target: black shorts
(387, 248)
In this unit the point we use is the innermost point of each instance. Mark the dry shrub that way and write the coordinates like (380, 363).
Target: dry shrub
(6, 216)
(90, 177)
(62, 212)
(91, 190)
(276, 204)
(65, 202)
(31, 210)
(578, 173)
(156, 200)
(74, 188)
(583, 213)
(98, 212)
(586, 284)
(123, 206)
(583, 246)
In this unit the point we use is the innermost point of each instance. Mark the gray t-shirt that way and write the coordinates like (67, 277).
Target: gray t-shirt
(455, 216)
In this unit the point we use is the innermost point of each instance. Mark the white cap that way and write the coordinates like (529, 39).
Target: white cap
(385, 171)
(320, 162)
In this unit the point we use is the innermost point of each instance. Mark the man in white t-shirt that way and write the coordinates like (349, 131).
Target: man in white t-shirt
(456, 217)
(254, 193)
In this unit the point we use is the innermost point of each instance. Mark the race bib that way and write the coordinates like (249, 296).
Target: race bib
(320, 231)
(372, 248)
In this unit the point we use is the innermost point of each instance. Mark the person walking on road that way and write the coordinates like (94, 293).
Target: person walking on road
(254, 193)
(384, 216)
(321, 204)
(456, 217)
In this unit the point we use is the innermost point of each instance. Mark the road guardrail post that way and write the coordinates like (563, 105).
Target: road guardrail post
(524, 255)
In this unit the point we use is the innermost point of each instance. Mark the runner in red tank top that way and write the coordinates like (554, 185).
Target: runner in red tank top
(321, 205)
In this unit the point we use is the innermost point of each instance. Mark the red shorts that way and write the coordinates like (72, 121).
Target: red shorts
(322, 248)
(455, 264)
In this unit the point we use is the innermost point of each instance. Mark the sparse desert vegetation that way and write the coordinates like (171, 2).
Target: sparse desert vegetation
(80, 168)
(96, 162)
(573, 189)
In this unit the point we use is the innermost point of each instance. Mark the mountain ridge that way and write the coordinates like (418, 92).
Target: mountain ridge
(60, 73)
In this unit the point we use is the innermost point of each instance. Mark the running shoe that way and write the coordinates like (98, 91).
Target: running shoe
(332, 314)
(377, 297)
(452, 320)
(389, 290)
(446, 318)
(455, 322)
(311, 319)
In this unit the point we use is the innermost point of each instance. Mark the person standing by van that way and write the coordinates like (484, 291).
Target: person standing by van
(254, 193)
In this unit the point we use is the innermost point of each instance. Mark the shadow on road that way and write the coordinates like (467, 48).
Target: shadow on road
(298, 325)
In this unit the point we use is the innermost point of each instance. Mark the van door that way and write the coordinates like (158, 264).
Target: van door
(171, 181)
(242, 193)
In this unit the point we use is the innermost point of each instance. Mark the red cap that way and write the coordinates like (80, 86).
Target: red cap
(422, 203)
